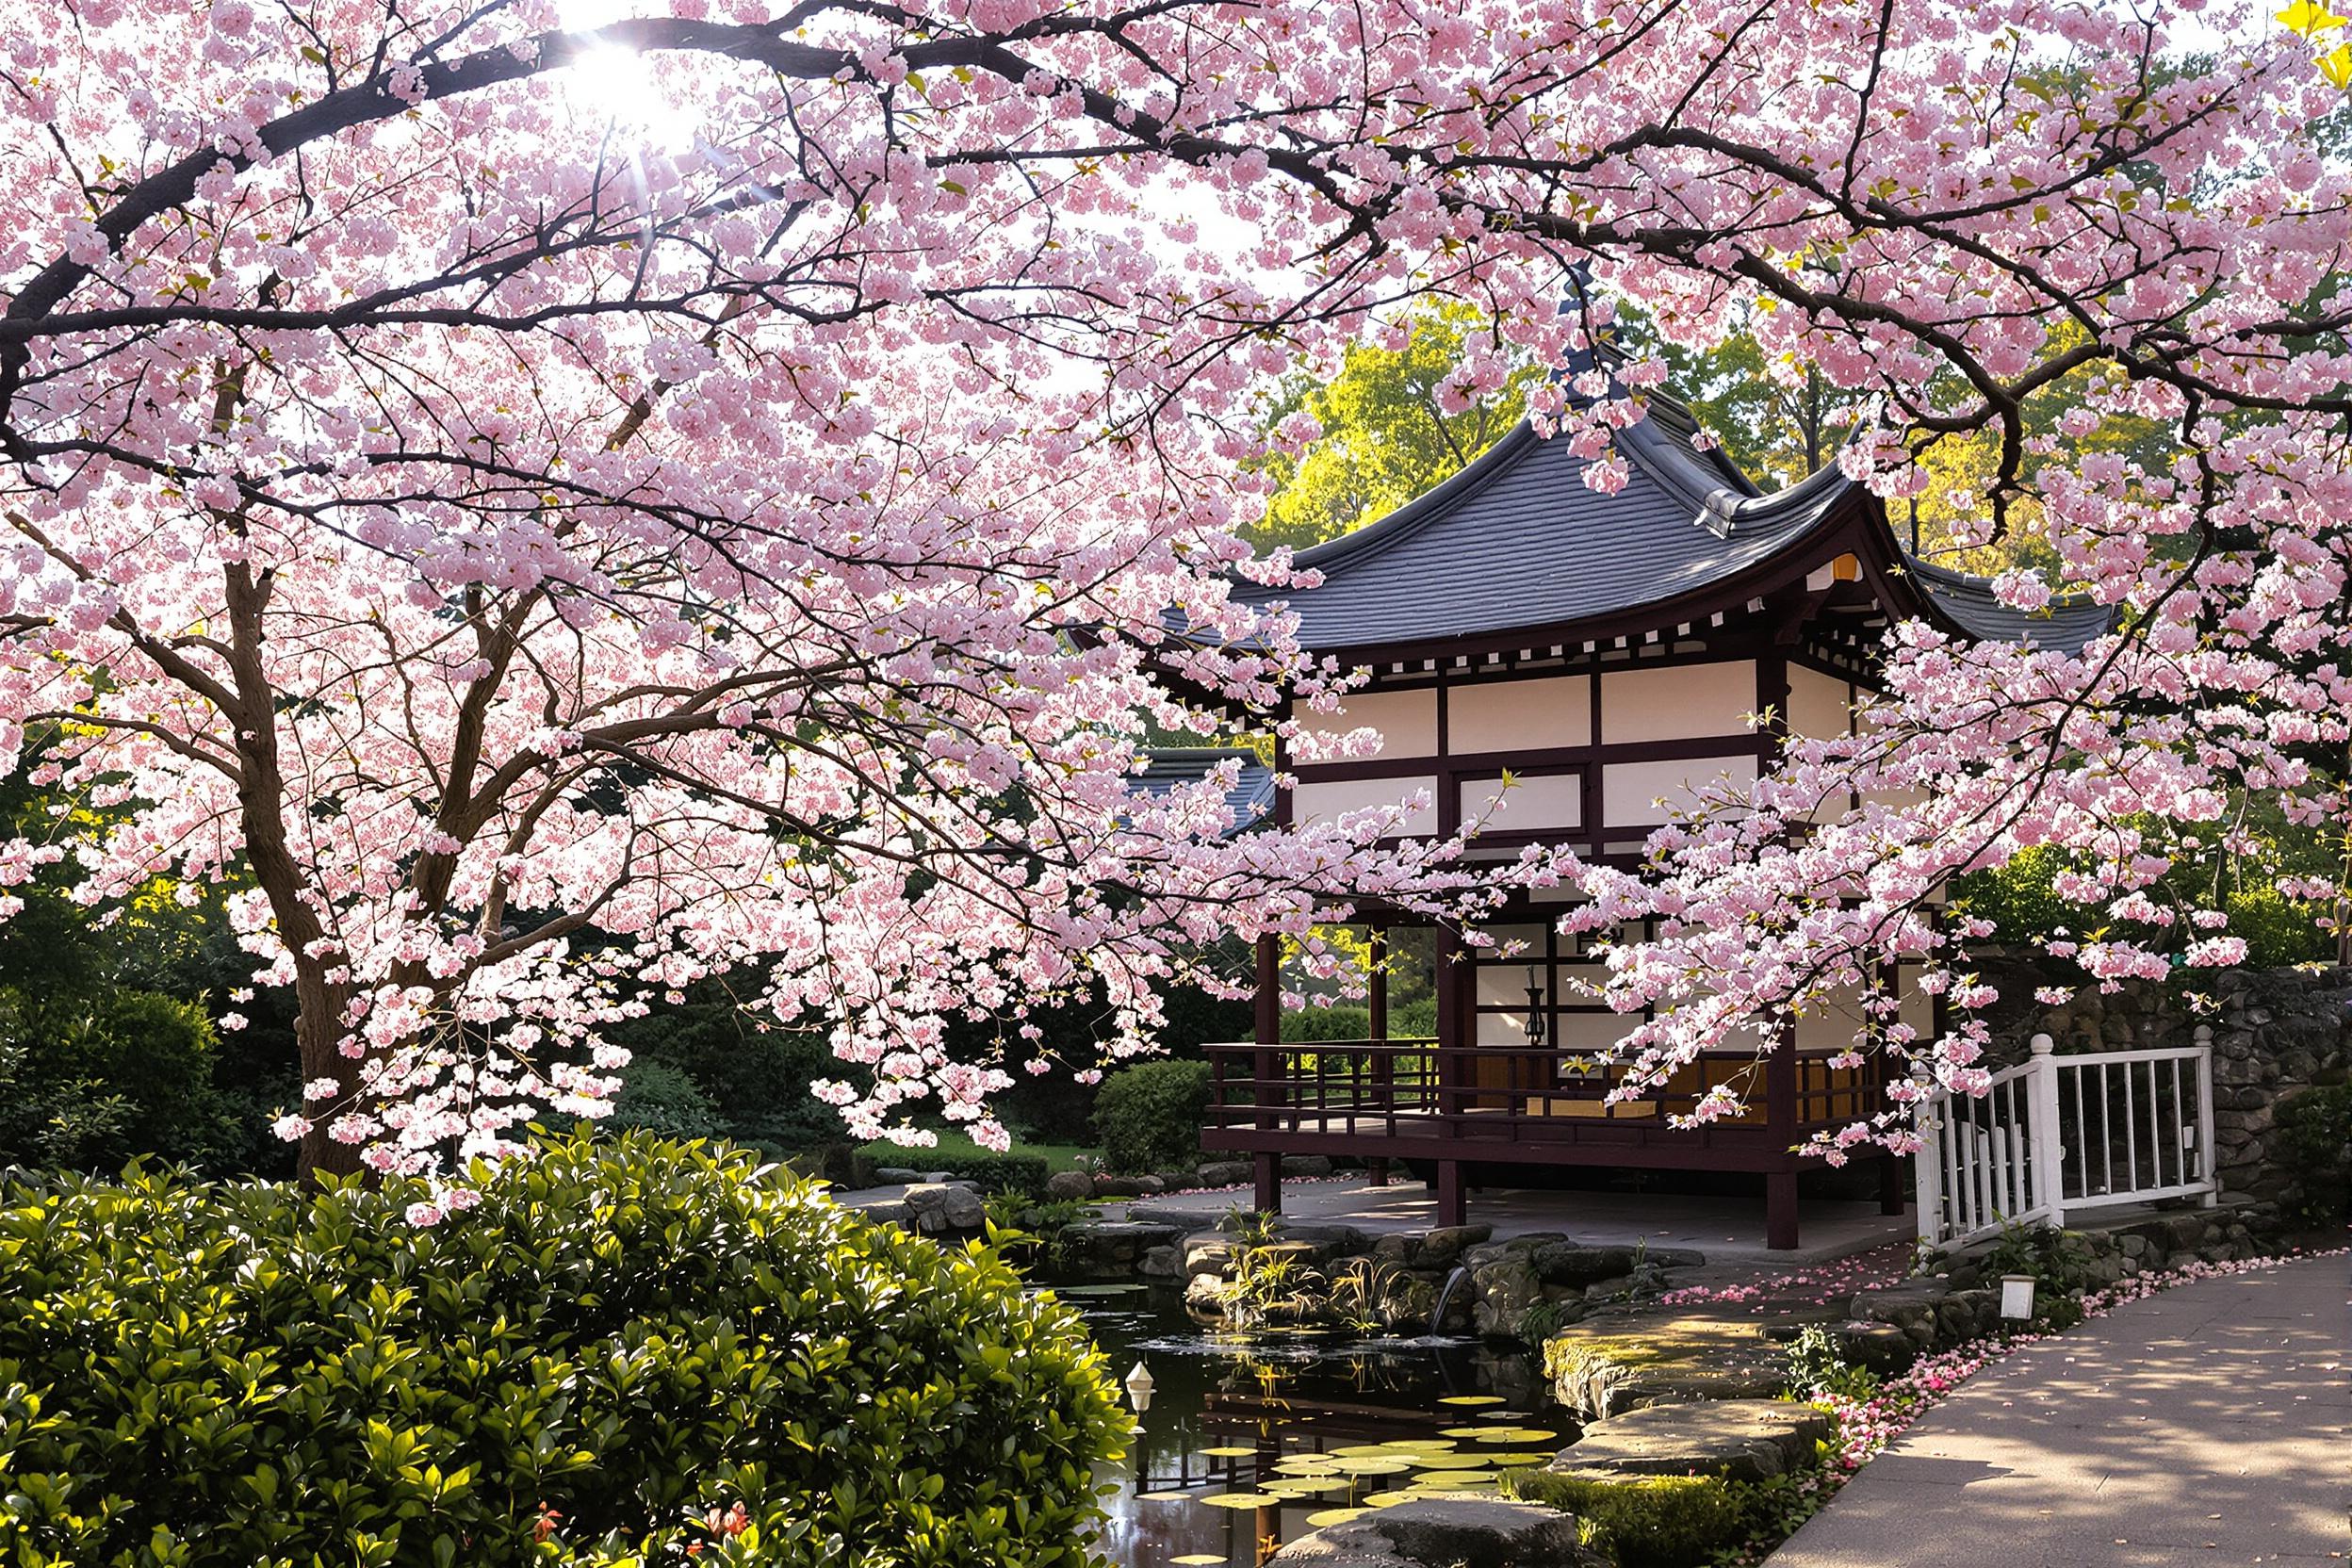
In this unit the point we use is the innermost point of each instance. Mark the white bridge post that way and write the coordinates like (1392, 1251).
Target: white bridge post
(2049, 1156)
(2207, 1168)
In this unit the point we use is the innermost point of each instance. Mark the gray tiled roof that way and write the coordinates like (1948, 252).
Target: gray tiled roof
(1170, 768)
(1517, 540)
(2065, 625)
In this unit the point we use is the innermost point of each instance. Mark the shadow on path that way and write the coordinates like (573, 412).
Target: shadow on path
(2210, 1422)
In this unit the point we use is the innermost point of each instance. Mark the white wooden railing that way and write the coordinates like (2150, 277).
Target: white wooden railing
(2058, 1135)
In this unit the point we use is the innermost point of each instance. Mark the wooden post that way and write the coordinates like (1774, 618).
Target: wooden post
(1451, 1209)
(1452, 973)
(1780, 1103)
(1266, 1163)
(1376, 989)
(1891, 1195)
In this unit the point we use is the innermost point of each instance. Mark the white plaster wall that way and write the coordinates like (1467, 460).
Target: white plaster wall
(1519, 715)
(1407, 721)
(1325, 801)
(1628, 789)
(1545, 801)
(1678, 702)
(1819, 705)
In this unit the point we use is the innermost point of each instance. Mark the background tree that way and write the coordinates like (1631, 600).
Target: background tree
(1410, 406)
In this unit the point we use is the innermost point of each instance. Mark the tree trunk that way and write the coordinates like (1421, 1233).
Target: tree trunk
(318, 1028)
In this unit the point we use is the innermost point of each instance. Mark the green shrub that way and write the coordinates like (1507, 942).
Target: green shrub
(661, 1098)
(2315, 1147)
(1818, 1365)
(1021, 1174)
(1646, 1521)
(1149, 1115)
(624, 1339)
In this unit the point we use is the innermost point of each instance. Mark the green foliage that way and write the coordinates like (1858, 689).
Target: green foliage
(625, 1338)
(1818, 1366)
(1029, 1230)
(1269, 1282)
(2315, 1147)
(91, 1080)
(1646, 1521)
(1414, 1021)
(1149, 1116)
(1774, 1509)
(2060, 1261)
(2020, 899)
(1385, 437)
(1015, 1172)
(661, 1098)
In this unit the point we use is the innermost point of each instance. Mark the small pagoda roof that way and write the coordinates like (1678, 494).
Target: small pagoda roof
(1516, 543)
(2065, 623)
(1170, 768)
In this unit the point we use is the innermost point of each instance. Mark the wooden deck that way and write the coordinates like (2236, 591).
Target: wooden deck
(1417, 1099)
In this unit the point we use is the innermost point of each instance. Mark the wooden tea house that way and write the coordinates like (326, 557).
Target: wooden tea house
(1606, 650)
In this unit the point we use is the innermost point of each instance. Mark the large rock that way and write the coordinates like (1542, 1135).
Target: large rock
(1068, 1185)
(1441, 1248)
(1740, 1440)
(1128, 1186)
(1915, 1306)
(1306, 1164)
(1224, 1173)
(1571, 1265)
(1607, 1365)
(1100, 1249)
(1446, 1532)
(1506, 1288)
(937, 1207)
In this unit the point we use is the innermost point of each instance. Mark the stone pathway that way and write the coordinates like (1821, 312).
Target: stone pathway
(2210, 1422)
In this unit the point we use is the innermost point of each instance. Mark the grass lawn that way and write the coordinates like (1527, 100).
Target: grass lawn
(1060, 1156)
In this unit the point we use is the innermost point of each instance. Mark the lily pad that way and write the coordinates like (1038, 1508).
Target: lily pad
(1200, 1559)
(1229, 1453)
(1244, 1499)
(1471, 1399)
(1454, 1478)
(1511, 1461)
(1390, 1499)
(1517, 1434)
(1417, 1445)
(1326, 1516)
(1163, 1497)
(1453, 1461)
(1311, 1486)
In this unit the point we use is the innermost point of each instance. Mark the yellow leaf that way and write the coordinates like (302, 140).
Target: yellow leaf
(2305, 18)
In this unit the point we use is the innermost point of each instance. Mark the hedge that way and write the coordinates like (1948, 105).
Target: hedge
(1149, 1116)
(630, 1352)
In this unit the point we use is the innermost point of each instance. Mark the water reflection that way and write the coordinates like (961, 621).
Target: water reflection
(1253, 1439)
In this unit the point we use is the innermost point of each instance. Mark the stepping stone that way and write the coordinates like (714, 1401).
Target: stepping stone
(1446, 1532)
(1605, 1366)
(1741, 1440)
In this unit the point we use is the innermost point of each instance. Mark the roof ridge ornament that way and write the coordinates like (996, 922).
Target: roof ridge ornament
(1719, 511)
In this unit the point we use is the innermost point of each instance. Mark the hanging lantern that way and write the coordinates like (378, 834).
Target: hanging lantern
(1535, 1007)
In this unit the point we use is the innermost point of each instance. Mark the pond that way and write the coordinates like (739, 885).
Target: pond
(1253, 1439)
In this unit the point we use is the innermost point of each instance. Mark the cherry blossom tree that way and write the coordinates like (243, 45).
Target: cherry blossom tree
(557, 508)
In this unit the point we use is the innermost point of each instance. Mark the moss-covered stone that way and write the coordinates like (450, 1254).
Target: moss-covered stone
(1646, 1521)
(1604, 1367)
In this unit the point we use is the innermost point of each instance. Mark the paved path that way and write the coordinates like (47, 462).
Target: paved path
(2209, 1424)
